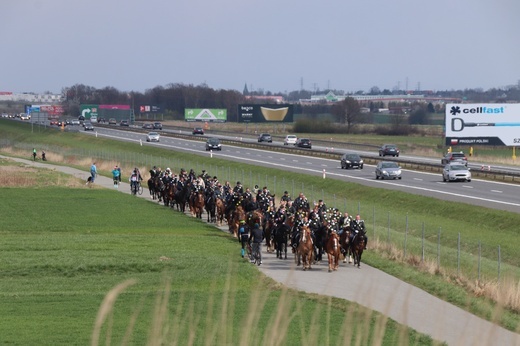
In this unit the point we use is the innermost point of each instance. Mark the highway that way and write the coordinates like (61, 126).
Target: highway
(490, 194)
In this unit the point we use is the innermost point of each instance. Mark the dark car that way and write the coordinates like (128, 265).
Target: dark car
(265, 137)
(157, 126)
(88, 127)
(124, 123)
(213, 144)
(102, 121)
(389, 149)
(455, 157)
(351, 161)
(304, 143)
(198, 131)
(148, 126)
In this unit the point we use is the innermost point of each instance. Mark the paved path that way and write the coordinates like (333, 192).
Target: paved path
(367, 286)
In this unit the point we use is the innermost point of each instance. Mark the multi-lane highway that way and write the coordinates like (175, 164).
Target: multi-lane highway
(490, 194)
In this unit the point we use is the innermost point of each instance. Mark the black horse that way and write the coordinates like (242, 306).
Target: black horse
(281, 238)
(210, 205)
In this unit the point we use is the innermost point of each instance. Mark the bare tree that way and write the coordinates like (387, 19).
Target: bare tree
(347, 111)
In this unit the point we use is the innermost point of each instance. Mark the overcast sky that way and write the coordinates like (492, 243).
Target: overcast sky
(274, 45)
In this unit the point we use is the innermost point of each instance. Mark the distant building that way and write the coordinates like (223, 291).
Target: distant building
(30, 97)
(330, 97)
(277, 99)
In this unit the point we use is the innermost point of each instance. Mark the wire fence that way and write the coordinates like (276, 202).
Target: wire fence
(412, 237)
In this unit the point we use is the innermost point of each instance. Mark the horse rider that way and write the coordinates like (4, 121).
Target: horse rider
(238, 188)
(301, 202)
(153, 172)
(322, 209)
(358, 228)
(286, 197)
(344, 222)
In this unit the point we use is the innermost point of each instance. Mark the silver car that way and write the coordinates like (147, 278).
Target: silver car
(456, 172)
(388, 170)
(152, 137)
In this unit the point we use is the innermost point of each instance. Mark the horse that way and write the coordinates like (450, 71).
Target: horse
(197, 204)
(332, 248)
(281, 238)
(305, 249)
(180, 197)
(269, 227)
(237, 215)
(221, 210)
(210, 206)
(357, 246)
(344, 241)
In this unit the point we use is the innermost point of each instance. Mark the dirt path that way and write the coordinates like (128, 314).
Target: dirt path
(367, 286)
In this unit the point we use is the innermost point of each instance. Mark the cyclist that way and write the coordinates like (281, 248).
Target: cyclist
(135, 180)
(34, 154)
(257, 236)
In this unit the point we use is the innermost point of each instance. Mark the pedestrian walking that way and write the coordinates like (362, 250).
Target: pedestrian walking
(116, 175)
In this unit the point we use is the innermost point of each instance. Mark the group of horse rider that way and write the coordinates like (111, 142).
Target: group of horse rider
(298, 212)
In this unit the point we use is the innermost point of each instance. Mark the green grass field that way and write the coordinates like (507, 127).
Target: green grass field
(64, 249)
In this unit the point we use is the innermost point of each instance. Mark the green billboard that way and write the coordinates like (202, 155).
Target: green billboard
(210, 115)
(88, 111)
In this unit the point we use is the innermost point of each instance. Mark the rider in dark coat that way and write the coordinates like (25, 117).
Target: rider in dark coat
(358, 226)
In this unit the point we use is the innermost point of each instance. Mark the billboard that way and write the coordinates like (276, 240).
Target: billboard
(211, 115)
(259, 113)
(483, 124)
(149, 109)
(88, 111)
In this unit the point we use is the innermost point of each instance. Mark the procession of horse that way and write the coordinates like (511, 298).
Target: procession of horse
(308, 231)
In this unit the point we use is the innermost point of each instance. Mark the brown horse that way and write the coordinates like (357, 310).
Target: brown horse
(332, 247)
(221, 210)
(238, 215)
(305, 249)
(344, 241)
(357, 246)
(197, 204)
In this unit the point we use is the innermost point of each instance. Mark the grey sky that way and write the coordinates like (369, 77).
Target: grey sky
(269, 44)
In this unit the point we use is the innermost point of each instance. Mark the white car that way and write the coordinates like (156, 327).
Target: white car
(24, 116)
(456, 172)
(290, 139)
(152, 137)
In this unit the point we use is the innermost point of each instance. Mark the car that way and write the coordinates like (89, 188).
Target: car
(101, 121)
(25, 116)
(389, 149)
(54, 122)
(124, 122)
(157, 126)
(388, 170)
(112, 121)
(213, 144)
(351, 161)
(75, 122)
(88, 126)
(265, 137)
(198, 131)
(81, 118)
(304, 143)
(456, 171)
(455, 157)
(93, 119)
(152, 137)
(290, 139)
(148, 126)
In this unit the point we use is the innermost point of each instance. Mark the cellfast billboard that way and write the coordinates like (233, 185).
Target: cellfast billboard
(483, 124)
(211, 115)
(259, 113)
